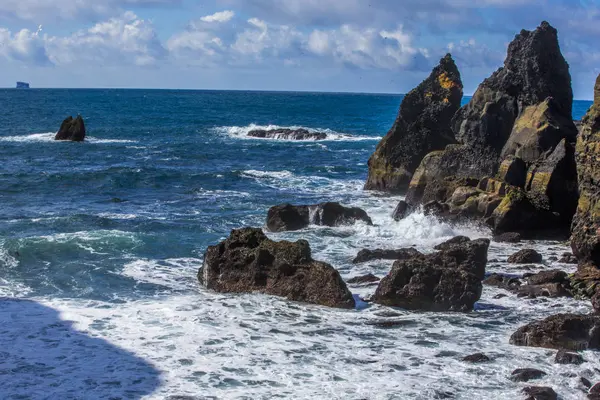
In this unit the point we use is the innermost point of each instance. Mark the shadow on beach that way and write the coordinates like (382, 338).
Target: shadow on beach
(43, 357)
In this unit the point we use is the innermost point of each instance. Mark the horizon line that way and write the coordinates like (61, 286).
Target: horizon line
(227, 90)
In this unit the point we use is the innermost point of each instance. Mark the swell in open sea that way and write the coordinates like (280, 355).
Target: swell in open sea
(100, 243)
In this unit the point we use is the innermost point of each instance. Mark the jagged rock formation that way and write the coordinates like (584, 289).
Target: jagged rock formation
(422, 125)
(449, 280)
(287, 134)
(71, 129)
(585, 239)
(249, 262)
(286, 217)
(383, 254)
(514, 166)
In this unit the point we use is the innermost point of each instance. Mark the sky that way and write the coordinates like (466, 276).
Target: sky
(375, 46)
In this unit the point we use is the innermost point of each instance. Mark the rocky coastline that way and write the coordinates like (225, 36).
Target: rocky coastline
(511, 160)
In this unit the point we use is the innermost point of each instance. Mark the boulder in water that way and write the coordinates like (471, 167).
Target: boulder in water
(562, 331)
(526, 374)
(360, 280)
(286, 217)
(422, 125)
(567, 357)
(72, 129)
(540, 393)
(525, 256)
(449, 280)
(287, 134)
(401, 211)
(247, 261)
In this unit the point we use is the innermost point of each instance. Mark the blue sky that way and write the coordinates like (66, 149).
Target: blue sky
(316, 45)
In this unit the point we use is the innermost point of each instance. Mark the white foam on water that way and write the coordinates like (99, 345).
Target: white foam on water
(49, 138)
(253, 346)
(241, 132)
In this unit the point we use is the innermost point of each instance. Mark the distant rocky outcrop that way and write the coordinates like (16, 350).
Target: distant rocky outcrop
(247, 261)
(287, 217)
(513, 166)
(449, 280)
(72, 129)
(287, 134)
(563, 331)
(422, 125)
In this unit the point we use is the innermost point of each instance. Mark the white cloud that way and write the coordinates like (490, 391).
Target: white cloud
(219, 17)
(25, 46)
(123, 40)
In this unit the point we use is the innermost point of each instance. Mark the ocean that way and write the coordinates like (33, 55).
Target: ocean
(100, 243)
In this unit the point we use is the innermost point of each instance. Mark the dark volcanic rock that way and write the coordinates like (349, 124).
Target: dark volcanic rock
(369, 278)
(526, 374)
(568, 258)
(401, 211)
(526, 256)
(450, 243)
(596, 302)
(442, 281)
(507, 237)
(422, 125)
(540, 393)
(286, 217)
(517, 133)
(380, 254)
(288, 134)
(585, 239)
(562, 331)
(503, 282)
(553, 283)
(71, 129)
(565, 357)
(476, 358)
(249, 262)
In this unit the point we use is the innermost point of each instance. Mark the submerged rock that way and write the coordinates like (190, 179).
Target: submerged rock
(287, 134)
(381, 254)
(565, 357)
(359, 280)
(476, 358)
(526, 374)
(562, 331)
(585, 239)
(526, 256)
(247, 261)
(72, 129)
(540, 393)
(422, 125)
(286, 217)
(449, 280)
(568, 258)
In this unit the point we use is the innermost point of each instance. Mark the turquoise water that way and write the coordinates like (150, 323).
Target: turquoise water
(109, 234)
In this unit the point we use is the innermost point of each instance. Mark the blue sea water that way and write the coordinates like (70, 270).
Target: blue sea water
(100, 243)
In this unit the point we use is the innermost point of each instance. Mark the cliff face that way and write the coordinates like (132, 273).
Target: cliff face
(586, 224)
(515, 147)
(422, 125)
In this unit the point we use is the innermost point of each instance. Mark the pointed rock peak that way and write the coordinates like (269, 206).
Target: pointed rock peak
(447, 73)
(597, 91)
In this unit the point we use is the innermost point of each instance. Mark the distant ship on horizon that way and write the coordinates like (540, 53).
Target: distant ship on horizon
(22, 85)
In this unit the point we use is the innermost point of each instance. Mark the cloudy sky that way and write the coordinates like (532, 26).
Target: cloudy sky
(316, 45)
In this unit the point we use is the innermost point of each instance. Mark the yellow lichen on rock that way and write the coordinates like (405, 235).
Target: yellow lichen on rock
(446, 82)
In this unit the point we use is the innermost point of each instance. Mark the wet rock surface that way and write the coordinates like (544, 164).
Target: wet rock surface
(287, 134)
(526, 374)
(247, 261)
(562, 331)
(526, 256)
(72, 129)
(540, 393)
(381, 254)
(442, 281)
(287, 217)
